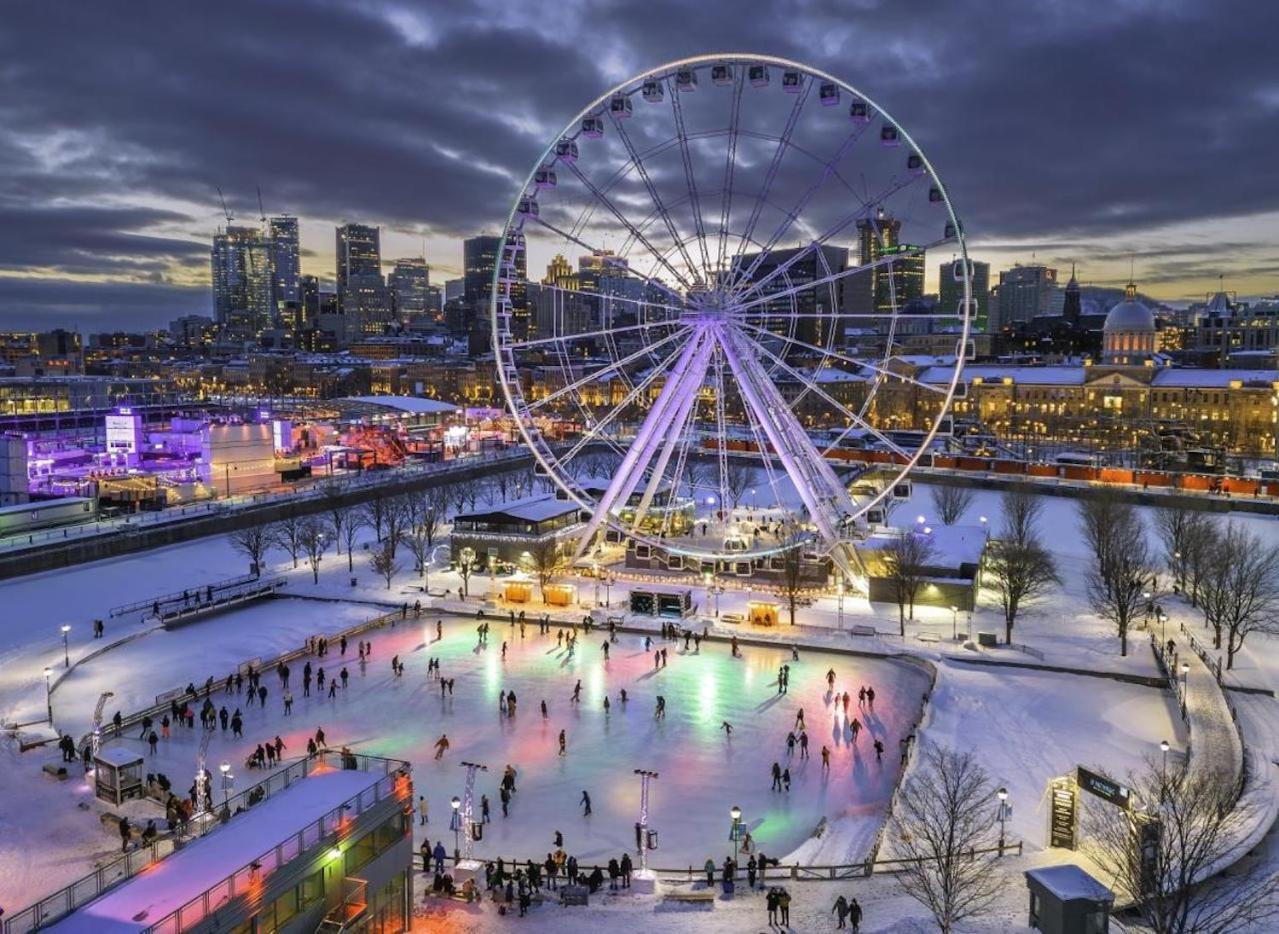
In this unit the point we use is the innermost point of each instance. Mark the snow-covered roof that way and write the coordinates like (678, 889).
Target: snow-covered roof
(1211, 379)
(1068, 882)
(411, 404)
(170, 883)
(1033, 375)
(529, 509)
(119, 756)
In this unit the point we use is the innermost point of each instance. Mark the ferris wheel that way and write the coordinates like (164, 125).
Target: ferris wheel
(734, 248)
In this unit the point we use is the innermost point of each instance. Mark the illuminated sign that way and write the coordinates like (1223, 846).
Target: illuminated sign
(1105, 788)
(1062, 813)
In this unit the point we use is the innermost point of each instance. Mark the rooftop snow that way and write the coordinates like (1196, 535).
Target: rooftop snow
(412, 404)
(170, 883)
(530, 509)
(1069, 882)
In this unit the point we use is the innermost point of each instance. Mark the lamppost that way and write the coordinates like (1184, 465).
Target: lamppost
(48, 693)
(455, 824)
(752, 499)
(1176, 562)
(1002, 794)
(1163, 618)
(1146, 595)
(735, 832)
(228, 782)
(954, 623)
(609, 580)
(1163, 772)
(839, 602)
(66, 648)
(645, 777)
(1185, 680)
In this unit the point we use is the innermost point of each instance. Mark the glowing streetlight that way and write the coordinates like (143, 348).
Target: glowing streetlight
(228, 782)
(456, 824)
(735, 832)
(66, 648)
(48, 692)
(1164, 747)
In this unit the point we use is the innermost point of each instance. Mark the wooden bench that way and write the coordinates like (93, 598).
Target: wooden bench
(862, 630)
(695, 897)
(58, 771)
(733, 618)
(927, 637)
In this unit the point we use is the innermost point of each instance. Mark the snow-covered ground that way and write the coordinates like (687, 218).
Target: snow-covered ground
(1026, 726)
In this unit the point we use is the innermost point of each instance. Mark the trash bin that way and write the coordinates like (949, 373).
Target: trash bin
(353, 581)
(987, 640)
(727, 885)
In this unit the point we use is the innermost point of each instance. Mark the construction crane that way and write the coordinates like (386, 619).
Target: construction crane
(226, 212)
(261, 211)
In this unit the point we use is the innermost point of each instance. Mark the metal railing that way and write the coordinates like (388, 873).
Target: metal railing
(1025, 649)
(63, 902)
(183, 596)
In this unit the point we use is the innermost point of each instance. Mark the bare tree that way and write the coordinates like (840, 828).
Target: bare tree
(1189, 826)
(792, 566)
(1021, 512)
(1241, 592)
(465, 567)
(373, 510)
(350, 533)
(314, 542)
(905, 561)
(546, 560)
(396, 522)
(1121, 568)
(336, 512)
(1175, 524)
(946, 814)
(1197, 553)
(252, 541)
(286, 533)
(1019, 569)
(384, 564)
(951, 502)
(699, 474)
(738, 478)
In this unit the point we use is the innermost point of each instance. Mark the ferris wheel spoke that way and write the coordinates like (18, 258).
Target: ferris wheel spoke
(862, 211)
(783, 142)
(607, 259)
(811, 385)
(794, 213)
(854, 361)
(606, 297)
(625, 222)
(591, 335)
(651, 377)
(596, 374)
(730, 163)
(658, 205)
(886, 260)
(694, 201)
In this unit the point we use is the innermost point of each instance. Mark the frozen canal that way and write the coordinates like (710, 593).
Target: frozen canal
(703, 771)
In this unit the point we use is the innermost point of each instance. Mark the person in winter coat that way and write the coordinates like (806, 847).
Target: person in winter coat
(626, 866)
(571, 868)
(614, 873)
(552, 870)
(783, 906)
(425, 850)
(855, 915)
(709, 866)
(440, 854)
(421, 810)
(126, 830)
(770, 901)
(750, 872)
(840, 911)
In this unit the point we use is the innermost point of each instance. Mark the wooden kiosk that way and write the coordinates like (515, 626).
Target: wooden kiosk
(762, 613)
(117, 774)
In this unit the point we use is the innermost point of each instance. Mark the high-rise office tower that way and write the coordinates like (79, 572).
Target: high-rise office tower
(885, 288)
(286, 272)
(362, 294)
(817, 309)
(950, 291)
(479, 261)
(1025, 292)
(408, 284)
(241, 268)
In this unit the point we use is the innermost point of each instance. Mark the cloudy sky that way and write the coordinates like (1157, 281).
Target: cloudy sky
(1111, 132)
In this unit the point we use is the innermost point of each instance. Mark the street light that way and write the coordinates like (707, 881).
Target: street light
(954, 623)
(66, 649)
(228, 782)
(456, 824)
(735, 832)
(1002, 794)
(48, 693)
(1163, 772)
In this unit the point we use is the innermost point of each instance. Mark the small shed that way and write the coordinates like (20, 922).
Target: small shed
(518, 589)
(763, 613)
(117, 774)
(561, 594)
(1066, 900)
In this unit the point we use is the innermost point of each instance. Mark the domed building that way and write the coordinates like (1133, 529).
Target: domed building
(1128, 336)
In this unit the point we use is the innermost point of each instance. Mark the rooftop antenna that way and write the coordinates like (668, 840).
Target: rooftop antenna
(261, 212)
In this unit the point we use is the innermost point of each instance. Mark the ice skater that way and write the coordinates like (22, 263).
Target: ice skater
(563, 744)
(586, 804)
(441, 746)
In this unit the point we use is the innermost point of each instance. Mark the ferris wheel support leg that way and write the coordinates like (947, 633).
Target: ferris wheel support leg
(821, 492)
(690, 368)
(687, 400)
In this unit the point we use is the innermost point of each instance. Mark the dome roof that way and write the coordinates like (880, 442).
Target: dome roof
(1130, 314)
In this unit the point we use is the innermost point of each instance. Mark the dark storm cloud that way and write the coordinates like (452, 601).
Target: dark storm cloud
(1058, 121)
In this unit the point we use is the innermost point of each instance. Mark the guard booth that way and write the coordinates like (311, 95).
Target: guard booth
(677, 605)
(762, 613)
(1066, 900)
(117, 774)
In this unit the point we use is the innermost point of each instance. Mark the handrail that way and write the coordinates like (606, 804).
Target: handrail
(179, 597)
(63, 902)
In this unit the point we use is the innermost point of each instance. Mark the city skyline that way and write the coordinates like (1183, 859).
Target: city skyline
(110, 175)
